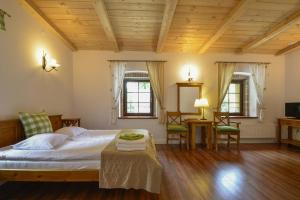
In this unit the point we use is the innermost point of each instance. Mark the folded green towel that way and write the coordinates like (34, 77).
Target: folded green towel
(131, 136)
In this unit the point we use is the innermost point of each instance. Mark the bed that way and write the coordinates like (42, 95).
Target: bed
(90, 158)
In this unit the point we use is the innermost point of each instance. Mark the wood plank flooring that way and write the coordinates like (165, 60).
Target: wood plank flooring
(259, 172)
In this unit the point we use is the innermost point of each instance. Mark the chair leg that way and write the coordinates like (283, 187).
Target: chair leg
(228, 140)
(238, 141)
(187, 141)
(180, 143)
(216, 141)
(213, 141)
(167, 138)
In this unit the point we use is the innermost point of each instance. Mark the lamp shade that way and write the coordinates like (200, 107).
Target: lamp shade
(53, 63)
(203, 102)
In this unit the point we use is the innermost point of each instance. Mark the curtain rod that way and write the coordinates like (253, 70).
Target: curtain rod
(244, 62)
(139, 60)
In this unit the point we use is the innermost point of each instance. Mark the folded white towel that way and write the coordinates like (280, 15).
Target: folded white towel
(132, 145)
(131, 149)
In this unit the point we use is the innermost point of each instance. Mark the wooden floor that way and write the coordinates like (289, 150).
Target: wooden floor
(259, 172)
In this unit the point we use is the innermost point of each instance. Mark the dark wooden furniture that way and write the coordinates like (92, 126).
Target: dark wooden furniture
(222, 126)
(71, 122)
(290, 123)
(176, 129)
(11, 132)
(206, 125)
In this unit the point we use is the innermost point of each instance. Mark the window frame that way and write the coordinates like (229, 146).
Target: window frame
(241, 103)
(124, 100)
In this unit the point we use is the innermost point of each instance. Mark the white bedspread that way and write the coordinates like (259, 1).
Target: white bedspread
(86, 147)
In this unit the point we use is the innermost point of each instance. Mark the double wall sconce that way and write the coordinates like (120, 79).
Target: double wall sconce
(189, 76)
(189, 72)
(48, 63)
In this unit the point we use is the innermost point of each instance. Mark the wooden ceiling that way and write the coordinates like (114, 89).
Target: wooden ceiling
(241, 26)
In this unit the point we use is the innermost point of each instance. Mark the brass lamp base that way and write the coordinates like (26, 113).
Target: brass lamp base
(203, 117)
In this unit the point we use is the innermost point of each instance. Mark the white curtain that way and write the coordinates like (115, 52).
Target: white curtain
(258, 73)
(156, 75)
(225, 74)
(117, 73)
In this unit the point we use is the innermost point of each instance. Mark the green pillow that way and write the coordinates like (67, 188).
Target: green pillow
(36, 123)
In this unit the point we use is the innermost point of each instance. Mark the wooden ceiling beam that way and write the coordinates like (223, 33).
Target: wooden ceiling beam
(274, 31)
(166, 23)
(288, 48)
(235, 13)
(29, 5)
(104, 19)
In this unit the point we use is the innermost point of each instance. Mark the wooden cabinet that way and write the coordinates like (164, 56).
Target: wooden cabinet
(290, 123)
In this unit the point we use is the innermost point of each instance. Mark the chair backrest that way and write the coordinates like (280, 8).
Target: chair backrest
(173, 118)
(221, 118)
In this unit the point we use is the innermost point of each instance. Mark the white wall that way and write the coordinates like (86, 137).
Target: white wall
(292, 77)
(24, 86)
(292, 83)
(92, 88)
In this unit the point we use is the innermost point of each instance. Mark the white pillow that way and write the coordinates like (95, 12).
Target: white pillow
(72, 131)
(45, 141)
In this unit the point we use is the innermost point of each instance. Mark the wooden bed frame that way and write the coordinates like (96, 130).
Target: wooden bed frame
(11, 132)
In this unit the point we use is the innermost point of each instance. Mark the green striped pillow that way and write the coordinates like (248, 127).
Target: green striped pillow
(36, 123)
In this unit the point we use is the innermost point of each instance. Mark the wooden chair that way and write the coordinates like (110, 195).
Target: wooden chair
(176, 128)
(222, 126)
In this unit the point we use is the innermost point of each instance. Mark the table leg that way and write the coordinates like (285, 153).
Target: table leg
(190, 135)
(279, 133)
(193, 137)
(209, 134)
(203, 135)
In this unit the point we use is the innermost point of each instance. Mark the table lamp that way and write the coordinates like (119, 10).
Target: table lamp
(201, 103)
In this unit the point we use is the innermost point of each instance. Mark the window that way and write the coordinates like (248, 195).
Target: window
(241, 99)
(137, 95)
(233, 101)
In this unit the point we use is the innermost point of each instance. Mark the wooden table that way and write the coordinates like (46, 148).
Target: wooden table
(193, 124)
(290, 123)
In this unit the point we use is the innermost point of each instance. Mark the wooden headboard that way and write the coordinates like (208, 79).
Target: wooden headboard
(11, 131)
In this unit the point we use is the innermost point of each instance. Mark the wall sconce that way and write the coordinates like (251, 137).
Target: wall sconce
(49, 63)
(189, 72)
(190, 78)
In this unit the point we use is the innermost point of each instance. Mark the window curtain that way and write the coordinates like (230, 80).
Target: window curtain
(225, 74)
(258, 73)
(117, 73)
(156, 75)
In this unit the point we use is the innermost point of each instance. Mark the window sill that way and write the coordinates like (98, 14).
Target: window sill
(242, 117)
(137, 117)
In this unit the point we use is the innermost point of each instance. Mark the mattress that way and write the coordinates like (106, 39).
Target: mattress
(63, 165)
(82, 152)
